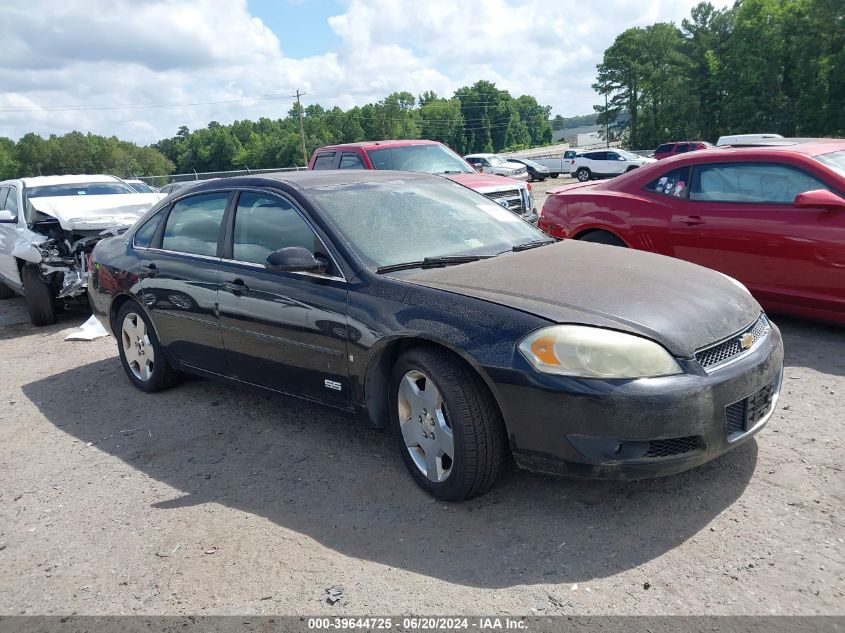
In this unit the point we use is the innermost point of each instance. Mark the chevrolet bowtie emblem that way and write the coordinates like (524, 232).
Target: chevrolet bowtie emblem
(746, 341)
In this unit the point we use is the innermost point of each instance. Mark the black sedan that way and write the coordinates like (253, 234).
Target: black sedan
(422, 306)
(536, 171)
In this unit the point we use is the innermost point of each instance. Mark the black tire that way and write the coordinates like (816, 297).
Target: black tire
(480, 448)
(5, 291)
(602, 237)
(39, 297)
(162, 375)
(583, 174)
(631, 168)
(553, 175)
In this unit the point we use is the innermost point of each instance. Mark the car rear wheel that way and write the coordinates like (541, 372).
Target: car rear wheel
(555, 175)
(602, 237)
(141, 353)
(39, 296)
(449, 428)
(5, 291)
(583, 174)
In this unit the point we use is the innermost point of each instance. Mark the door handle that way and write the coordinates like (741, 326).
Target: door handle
(150, 270)
(237, 287)
(692, 220)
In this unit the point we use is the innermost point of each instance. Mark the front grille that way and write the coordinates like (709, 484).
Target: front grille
(741, 416)
(513, 198)
(731, 349)
(673, 446)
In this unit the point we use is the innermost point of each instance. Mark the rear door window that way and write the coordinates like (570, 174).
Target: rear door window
(674, 183)
(193, 225)
(350, 160)
(324, 161)
(753, 183)
(682, 147)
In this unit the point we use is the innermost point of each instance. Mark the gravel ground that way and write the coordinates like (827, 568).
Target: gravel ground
(214, 499)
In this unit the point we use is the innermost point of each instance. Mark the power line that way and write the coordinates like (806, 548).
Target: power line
(138, 106)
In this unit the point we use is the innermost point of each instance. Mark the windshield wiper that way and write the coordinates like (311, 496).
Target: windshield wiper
(433, 262)
(528, 245)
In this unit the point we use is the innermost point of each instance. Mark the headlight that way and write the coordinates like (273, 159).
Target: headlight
(591, 352)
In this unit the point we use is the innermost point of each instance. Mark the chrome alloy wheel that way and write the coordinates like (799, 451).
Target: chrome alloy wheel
(137, 347)
(425, 426)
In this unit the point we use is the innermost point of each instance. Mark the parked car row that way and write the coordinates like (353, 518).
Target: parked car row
(393, 281)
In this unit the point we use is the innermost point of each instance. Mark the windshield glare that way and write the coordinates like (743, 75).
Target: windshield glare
(400, 221)
(79, 189)
(627, 154)
(834, 160)
(429, 159)
(497, 160)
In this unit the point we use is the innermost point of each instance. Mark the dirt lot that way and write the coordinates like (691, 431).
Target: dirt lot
(215, 499)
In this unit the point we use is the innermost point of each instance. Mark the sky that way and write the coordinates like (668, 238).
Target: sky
(139, 69)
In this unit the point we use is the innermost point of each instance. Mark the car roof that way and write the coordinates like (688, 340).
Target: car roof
(40, 181)
(808, 147)
(378, 144)
(481, 155)
(313, 179)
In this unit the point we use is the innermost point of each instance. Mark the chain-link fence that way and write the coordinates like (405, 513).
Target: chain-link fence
(160, 181)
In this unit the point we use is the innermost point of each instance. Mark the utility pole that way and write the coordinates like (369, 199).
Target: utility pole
(301, 126)
(606, 137)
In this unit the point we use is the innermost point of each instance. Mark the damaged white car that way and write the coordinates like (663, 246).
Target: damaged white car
(48, 228)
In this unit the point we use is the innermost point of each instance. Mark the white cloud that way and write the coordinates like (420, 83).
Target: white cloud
(188, 51)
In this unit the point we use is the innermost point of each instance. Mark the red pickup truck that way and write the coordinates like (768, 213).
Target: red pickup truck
(430, 157)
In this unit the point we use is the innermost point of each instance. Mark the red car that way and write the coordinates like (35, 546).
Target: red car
(667, 150)
(771, 217)
(430, 157)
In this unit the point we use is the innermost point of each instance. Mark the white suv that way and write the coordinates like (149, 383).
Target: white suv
(605, 164)
(48, 227)
(493, 164)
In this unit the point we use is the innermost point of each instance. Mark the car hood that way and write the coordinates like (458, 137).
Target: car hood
(484, 183)
(682, 306)
(87, 213)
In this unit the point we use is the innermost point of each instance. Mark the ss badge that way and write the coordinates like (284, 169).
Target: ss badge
(332, 384)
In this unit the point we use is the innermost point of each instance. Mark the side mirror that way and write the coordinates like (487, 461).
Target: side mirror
(819, 199)
(295, 259)
(479, 167)
(6, 216)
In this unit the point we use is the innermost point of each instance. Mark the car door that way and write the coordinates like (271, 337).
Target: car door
(740, 219)
(614, 164)
(283, 330)
(594, 161)
(10, 201)
(179, 279)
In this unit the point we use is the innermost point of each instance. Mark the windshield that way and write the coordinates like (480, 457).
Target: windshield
(400, 221)
(79, 189)
(834, 160)
(497, 160)
(626, 154)
(430, 159)
(140, 187)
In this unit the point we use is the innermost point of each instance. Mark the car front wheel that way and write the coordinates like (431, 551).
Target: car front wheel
(38, 295)
(141, 353)
(449, 428)
(583, 174)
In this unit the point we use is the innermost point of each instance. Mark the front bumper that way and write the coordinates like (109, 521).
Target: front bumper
(621, 429)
